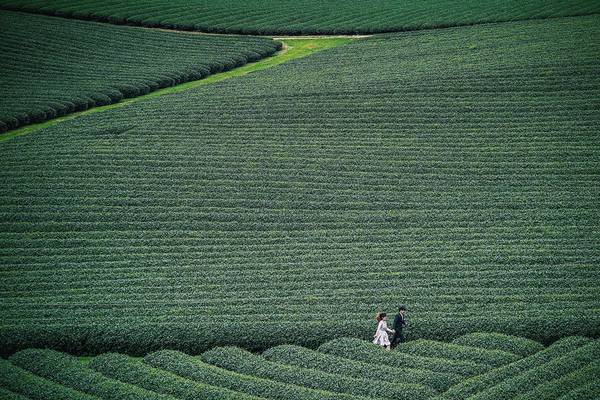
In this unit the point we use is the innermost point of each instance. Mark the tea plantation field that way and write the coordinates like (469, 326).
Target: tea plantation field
(276, 17)
(477, 366)
(454, 170)
(52, 66)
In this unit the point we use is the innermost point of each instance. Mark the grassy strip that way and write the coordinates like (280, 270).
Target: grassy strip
(244, 362)
(109, 63)
(293, 49)
(450, 351)
(361, 350)
(134, 371)
(17, 380)
(477, 384)
(69, 371)
(497, 341)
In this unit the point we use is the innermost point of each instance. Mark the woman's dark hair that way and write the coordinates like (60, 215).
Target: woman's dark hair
(380, 316)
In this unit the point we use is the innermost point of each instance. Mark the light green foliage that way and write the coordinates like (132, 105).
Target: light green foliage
(242, 361)
(306, 16)
(52, 67)
(451, 351)
(361, 350)
(498, 341)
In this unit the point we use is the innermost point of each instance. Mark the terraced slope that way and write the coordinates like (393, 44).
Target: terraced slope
(453, 170)
(305, 16)
(52, 66)
(234, 373)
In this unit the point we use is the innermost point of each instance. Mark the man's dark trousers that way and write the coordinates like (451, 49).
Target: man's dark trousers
(399, 324)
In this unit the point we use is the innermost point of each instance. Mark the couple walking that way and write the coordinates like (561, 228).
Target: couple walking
(381, 337)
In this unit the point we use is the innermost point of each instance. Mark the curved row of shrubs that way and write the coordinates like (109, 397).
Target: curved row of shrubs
(307, 358)
(432, 348)
(139, 373)
(567, 367)
(71, 372)
(361, 350)
(519, 346)
(97, 64)
(478, 384)
(242, 361)
(195, 369)
(541, 374)
(567, 382)
(8, 395)
(14, 379)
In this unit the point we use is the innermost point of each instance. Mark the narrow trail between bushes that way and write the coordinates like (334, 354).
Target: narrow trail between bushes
(293, 48)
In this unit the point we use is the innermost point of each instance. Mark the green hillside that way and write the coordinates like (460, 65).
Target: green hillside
(453, 170)
(276, 17)
(52, 66)
(565, 368)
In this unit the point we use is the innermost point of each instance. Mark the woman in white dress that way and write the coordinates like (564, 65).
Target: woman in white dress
(381, 337)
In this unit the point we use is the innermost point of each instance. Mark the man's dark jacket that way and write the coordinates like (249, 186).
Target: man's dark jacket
(399, 323)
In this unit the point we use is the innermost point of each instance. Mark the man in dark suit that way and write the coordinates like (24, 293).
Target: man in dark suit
(399, 324)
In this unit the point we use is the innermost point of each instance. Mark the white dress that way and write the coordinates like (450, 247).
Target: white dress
(381, 335)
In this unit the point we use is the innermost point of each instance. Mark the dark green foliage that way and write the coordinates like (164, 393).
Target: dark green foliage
(136, 372)
(49, 63)
(541, 374)
(69, 371)
(568, 382)
(244, 362)
(450, 351)
(476, 385)
(454, 170)
(8, 395)
(497, 341)
(20, 381)
(305, 16)
(590, 391)
(306, 358)
(195, 369)
(364, 351)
